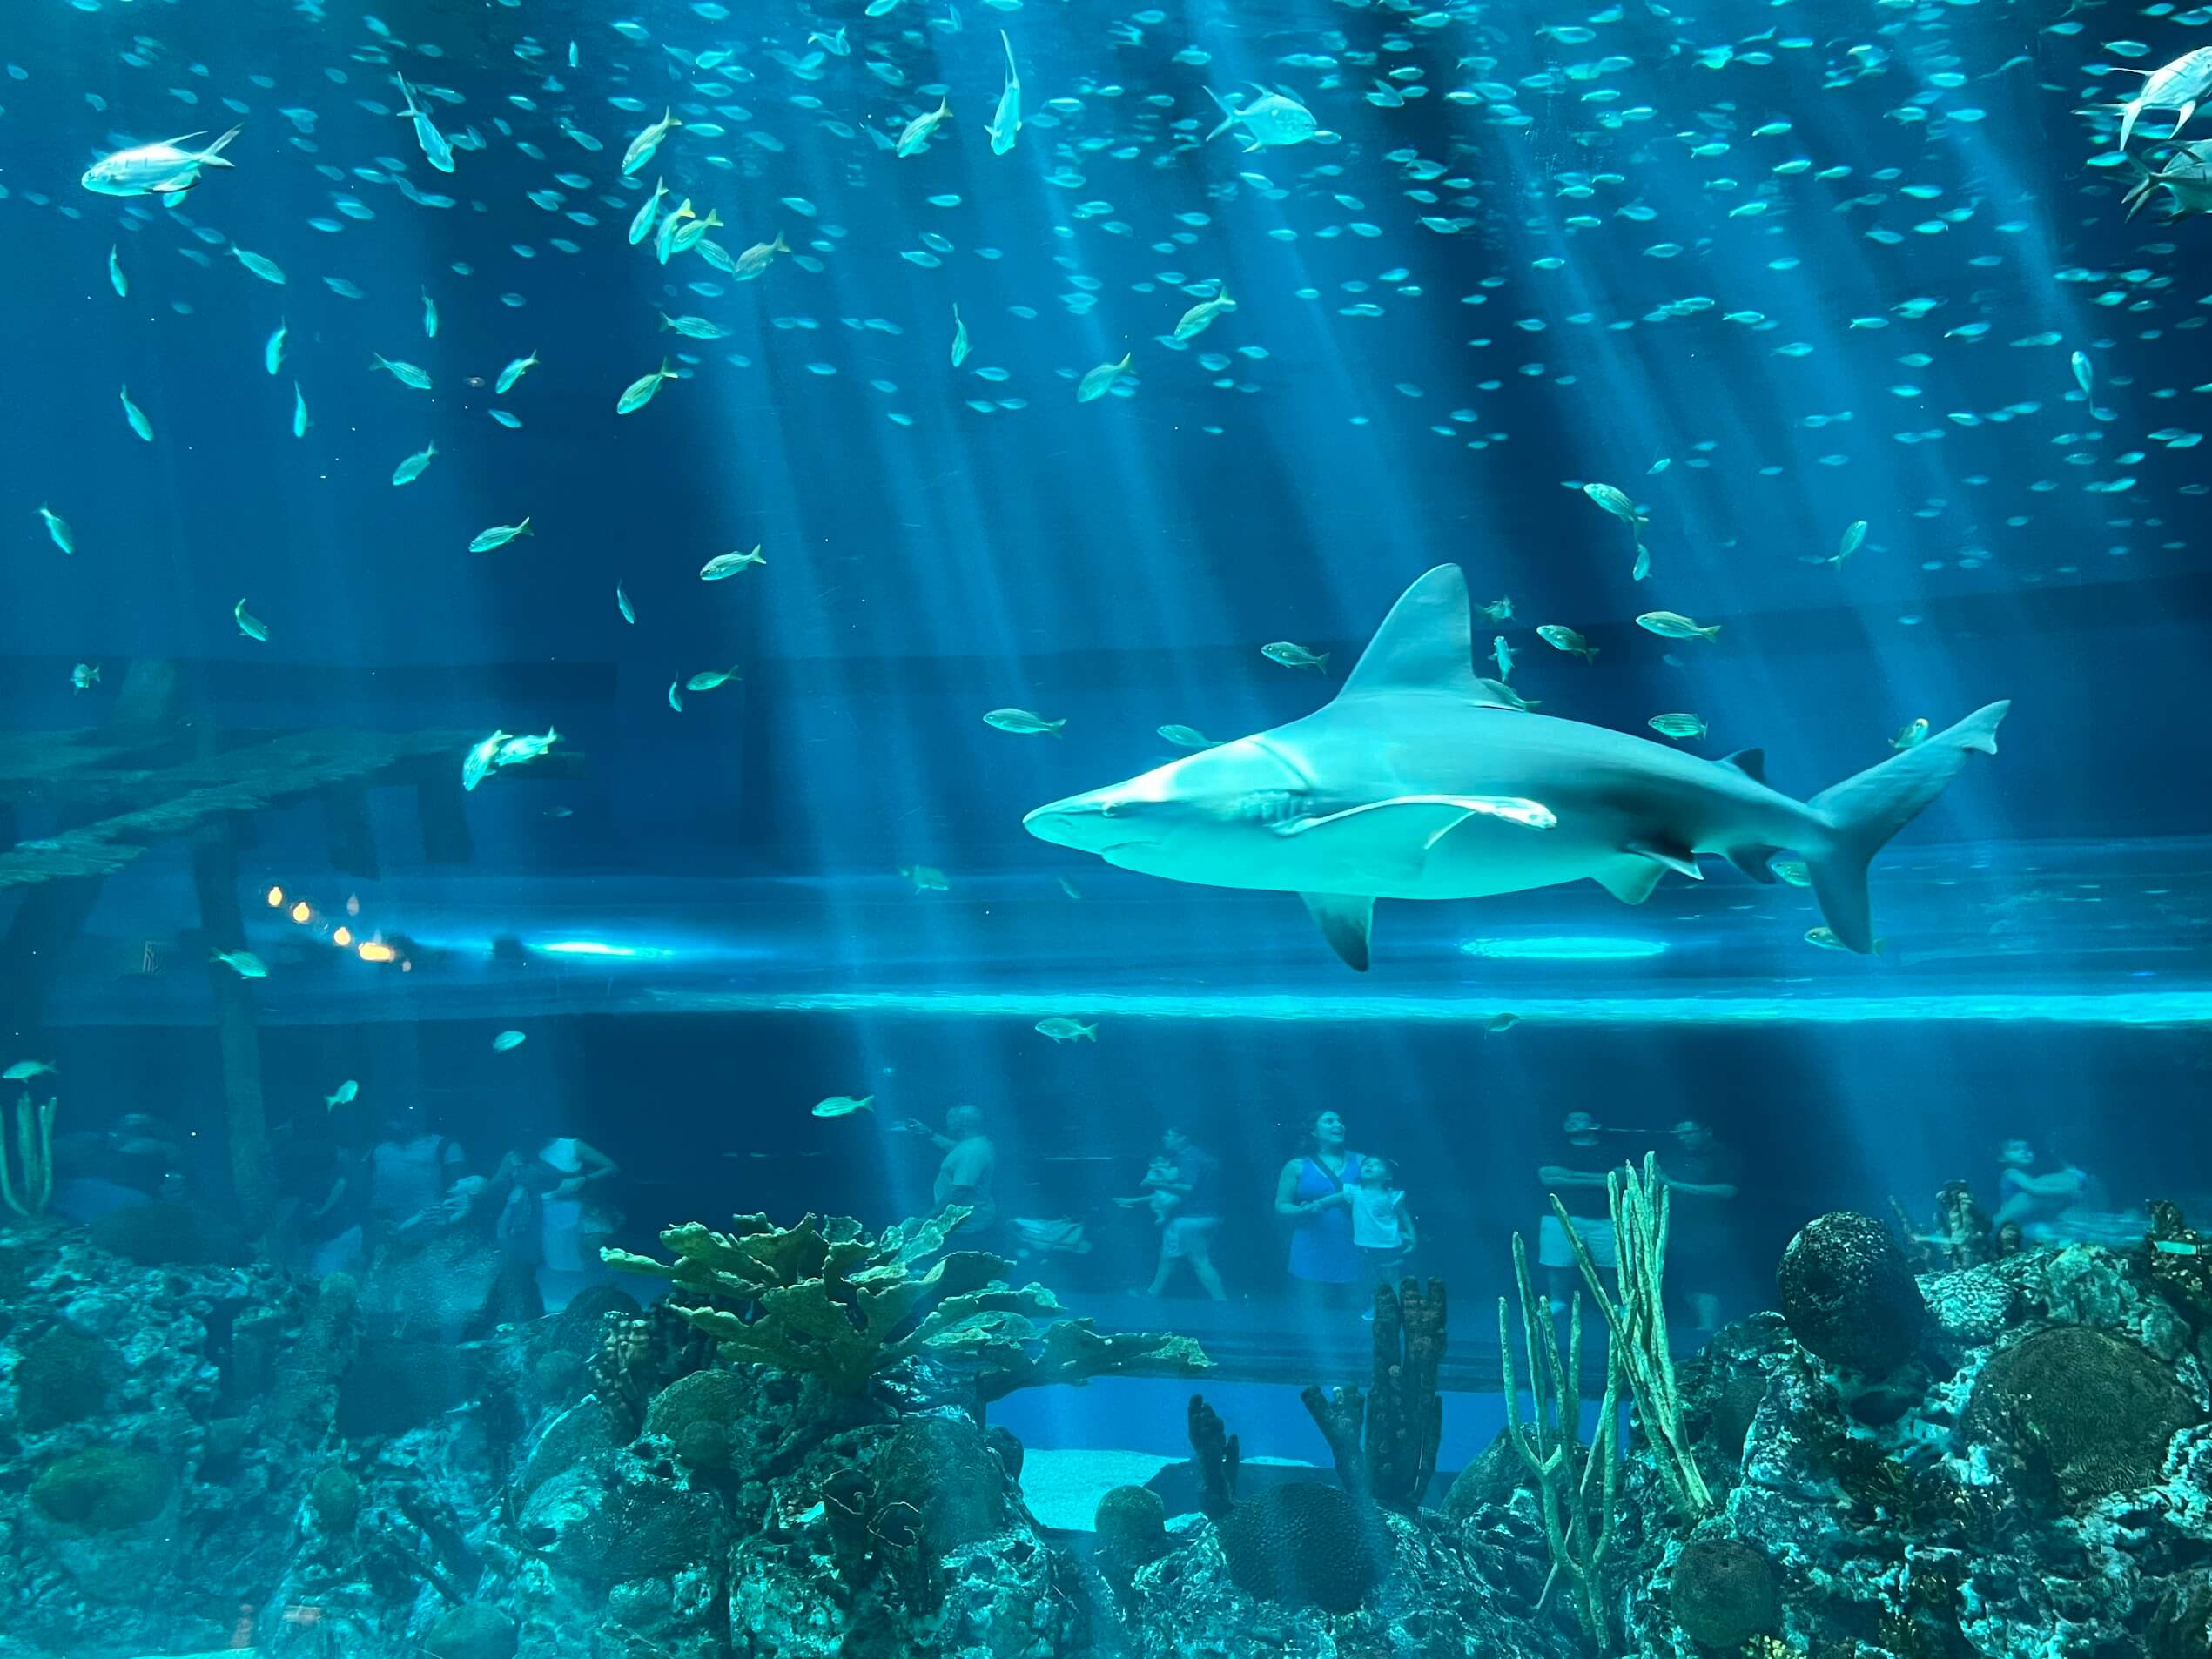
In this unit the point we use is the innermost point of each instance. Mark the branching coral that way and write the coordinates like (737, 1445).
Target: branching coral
(1638, 1322)
(1577, 1520)
(827, 1298)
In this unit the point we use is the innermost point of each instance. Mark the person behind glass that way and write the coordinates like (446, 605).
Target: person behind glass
(1579, 1183)
(1704, 1173)
(569, 1178)
(1182, 1196)
(2035, 1194)
(1315, 1194)
(1382, 1230)
(969, 1171)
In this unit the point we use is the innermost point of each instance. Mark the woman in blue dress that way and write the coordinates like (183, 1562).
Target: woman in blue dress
(1314, 1194)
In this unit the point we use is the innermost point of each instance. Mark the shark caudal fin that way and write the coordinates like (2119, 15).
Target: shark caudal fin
(1865, 810)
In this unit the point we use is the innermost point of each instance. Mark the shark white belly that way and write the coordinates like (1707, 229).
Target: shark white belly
(1420, 782)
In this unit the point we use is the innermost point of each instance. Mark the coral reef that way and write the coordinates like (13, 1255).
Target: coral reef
(2180, 1261)
(1440, 1590)
(2032, 1478)
(827, 1299)
(2037, 1481)
(1384, 1444)
(1849, 1295)
(2081, 1413)
(1962, 1235)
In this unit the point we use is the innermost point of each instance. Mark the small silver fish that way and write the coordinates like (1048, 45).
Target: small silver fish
(724, 566)
(1295, 656)
(1099, 382)
(1673, 625)
(1561, 637)
(1020, 720)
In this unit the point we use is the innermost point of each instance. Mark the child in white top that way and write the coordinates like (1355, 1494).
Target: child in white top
(1382, 1229)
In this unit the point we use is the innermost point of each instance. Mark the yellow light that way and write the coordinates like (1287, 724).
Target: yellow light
(301, 912)
(375, 950)
(343, 937)
(276, 898)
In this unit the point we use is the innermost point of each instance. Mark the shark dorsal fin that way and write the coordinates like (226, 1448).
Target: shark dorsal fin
(1424, 644)
(1752, 762)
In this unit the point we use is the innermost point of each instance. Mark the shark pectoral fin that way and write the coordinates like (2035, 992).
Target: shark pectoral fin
(1346, 920)
(1513, 808)
(1630, 880)
(1753, 860)
(1682, 861)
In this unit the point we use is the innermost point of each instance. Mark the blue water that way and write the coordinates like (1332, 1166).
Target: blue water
(1542, 251)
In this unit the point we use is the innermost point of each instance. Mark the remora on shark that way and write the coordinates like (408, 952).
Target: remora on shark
(1419, 782)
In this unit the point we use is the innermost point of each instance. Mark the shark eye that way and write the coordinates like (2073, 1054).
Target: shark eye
(1106, 808)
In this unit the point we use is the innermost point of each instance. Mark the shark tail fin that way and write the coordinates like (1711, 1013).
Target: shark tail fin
(1864, 811)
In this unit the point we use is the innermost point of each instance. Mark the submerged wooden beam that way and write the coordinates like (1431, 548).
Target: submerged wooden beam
(191, 794)
(253, 1176)
(352, 836)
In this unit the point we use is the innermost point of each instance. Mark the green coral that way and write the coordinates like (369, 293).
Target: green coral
(1637, 1322)
(103, 1488)
(1575, 1487)
(829, 1299)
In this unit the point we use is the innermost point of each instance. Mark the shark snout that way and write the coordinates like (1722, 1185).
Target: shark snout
(1096, 822)
(1083, 822)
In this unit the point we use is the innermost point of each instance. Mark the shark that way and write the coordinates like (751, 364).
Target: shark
(1423, 781)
